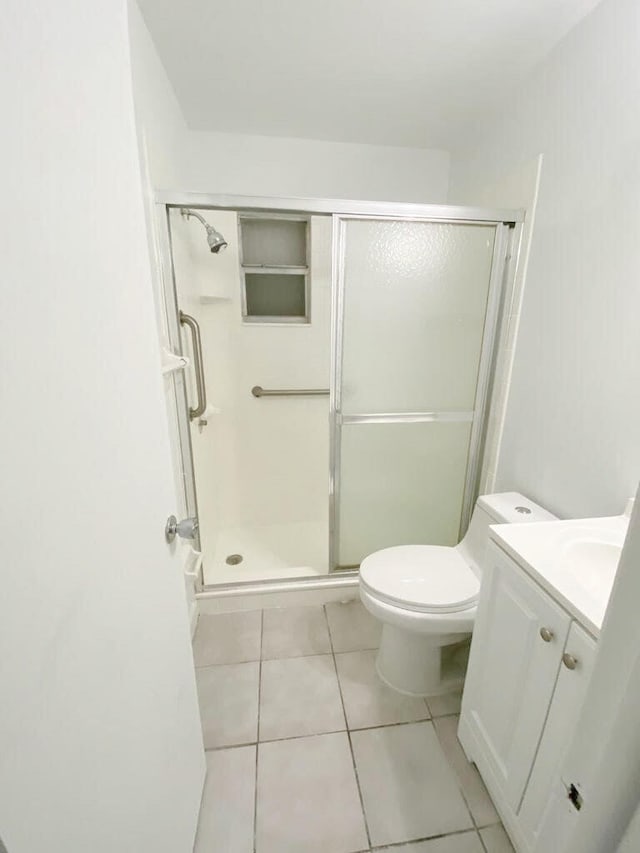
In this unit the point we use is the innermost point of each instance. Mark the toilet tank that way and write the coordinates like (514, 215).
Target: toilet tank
(502, 508)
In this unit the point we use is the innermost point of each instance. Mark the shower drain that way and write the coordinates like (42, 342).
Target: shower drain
(233, 559)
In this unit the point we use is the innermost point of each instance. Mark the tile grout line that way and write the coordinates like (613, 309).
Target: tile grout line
(346, 722)
(476, 825)
(255, 792)
(393, 844)
(316, 654)
(476, 829)
(330, 732)
(320, 734)
(482, 844)
(490, 826)
(455, 776)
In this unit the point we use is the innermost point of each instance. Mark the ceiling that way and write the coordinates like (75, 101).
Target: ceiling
(398, 72)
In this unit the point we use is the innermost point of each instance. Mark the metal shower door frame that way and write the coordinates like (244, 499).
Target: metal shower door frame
(171, 314)
(507, 236)
(340, 210)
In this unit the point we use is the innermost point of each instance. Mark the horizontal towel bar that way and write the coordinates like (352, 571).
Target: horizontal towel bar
(258, 391)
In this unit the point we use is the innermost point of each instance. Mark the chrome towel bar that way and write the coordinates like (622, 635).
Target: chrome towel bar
(258, 391)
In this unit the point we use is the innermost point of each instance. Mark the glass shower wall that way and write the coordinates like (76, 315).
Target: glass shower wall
(412, 320)
(401, 483)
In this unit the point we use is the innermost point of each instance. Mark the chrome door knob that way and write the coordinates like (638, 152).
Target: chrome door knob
(546, 634)
(185, 529)
(569, 661)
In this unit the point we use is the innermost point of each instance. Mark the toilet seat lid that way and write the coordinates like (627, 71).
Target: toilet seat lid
(427, 578)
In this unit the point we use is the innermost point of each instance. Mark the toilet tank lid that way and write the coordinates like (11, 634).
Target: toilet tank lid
(513, 508)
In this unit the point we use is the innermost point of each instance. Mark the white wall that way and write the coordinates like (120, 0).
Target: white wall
(100, 743)
(516, 190)
(282, 445)
(274, 166)
(161, 126)
(573, 419)
(182, 159)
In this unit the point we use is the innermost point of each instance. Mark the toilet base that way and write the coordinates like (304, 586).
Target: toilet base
(421, 664)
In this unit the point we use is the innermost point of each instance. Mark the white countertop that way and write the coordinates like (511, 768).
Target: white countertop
(575, 560)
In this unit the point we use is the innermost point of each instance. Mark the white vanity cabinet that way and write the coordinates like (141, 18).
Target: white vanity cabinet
(528, 670)
(568, 696)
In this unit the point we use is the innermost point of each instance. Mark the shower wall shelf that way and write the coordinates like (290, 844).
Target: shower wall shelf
(206, 299)
(172, 362)
(193, 563)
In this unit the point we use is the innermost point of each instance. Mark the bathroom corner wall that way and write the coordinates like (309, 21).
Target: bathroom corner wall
(517, 190)
(161, 127)
(308, 168)
(573, 416)
(182, 159)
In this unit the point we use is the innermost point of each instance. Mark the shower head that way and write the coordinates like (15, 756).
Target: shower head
(214, 238)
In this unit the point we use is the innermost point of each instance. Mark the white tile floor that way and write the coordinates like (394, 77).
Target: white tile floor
(308, 752)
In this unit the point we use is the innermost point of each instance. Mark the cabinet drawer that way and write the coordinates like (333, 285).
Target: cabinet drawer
(515, 656)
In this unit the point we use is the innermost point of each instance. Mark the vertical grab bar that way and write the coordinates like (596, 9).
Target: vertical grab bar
(187, 320)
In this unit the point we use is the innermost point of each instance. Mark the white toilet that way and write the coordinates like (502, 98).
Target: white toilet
(426, 597)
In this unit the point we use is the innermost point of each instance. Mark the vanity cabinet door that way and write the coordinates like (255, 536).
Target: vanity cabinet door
(573, 678)
(515, 655)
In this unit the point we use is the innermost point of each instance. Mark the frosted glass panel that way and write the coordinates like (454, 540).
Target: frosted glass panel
(275, 294)
(400, 484)
(415, 297)
(274, 242)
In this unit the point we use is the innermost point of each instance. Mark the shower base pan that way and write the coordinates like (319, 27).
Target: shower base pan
(268, 552)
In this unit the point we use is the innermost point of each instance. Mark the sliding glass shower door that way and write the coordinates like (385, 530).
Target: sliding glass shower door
(415, 314)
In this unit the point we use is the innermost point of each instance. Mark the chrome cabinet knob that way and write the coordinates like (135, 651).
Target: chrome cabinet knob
(546, 634)
(569, 661)
(185, 529)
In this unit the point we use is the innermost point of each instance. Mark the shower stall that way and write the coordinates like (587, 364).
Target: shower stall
(329, 375)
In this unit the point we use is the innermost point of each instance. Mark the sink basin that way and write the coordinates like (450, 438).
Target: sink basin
(594, 563)
(575, 560)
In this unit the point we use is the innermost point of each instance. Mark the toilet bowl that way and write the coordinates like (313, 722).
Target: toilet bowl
(426, 598)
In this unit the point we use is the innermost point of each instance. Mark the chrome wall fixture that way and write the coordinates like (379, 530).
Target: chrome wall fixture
(259, 391)
(185, 529)
(214, 238)
(187, 320)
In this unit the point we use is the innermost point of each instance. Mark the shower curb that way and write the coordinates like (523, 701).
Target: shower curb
(300, 593)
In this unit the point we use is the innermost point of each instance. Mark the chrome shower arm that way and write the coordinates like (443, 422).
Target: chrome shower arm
(187, 212)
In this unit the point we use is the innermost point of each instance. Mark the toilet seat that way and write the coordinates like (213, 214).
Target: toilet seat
(422, 578)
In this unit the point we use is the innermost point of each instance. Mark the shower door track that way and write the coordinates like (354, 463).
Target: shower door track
(508, 234)
(343, 207)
